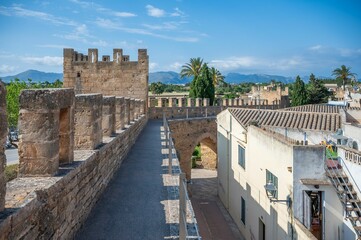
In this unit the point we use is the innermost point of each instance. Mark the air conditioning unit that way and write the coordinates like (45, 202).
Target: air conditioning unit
(339, 137)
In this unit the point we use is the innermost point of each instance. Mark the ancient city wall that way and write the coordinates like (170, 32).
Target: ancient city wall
(119, 77)
(190, 108)
(56, 196)
(3, 133)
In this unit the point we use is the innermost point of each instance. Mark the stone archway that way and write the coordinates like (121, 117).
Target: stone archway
(187, 133)
(208, 151)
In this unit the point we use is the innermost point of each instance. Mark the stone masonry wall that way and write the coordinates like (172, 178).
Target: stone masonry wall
(119, 77)
(187, 134)
(3, 134)
(192, 112)
(55, 207)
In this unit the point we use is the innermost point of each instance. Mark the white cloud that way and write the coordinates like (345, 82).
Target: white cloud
(177, 13)
(46, 60)
(99, 8)
(124, 14)
(153, 66)
(7, 69)
(176, 66)
(252, 63)
(316, 47)
(234, 62)
(163, 26)
(22, 12)
(155, 12)
(109, 24)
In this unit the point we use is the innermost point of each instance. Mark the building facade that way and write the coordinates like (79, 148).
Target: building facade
(283, 149)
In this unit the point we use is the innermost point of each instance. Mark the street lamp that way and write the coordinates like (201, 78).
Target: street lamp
(271, 190)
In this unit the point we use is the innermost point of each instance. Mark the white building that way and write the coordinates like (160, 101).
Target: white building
(259, 149)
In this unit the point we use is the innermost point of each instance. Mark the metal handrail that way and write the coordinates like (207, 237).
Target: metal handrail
(337, 173)
(349, 173)
(182, 184)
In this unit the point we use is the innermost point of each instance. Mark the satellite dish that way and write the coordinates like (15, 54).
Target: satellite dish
(350, 143)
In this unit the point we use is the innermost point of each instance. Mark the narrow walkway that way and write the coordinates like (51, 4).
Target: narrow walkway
(131, 206)
(214, 221)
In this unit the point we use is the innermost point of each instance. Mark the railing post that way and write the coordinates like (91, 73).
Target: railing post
(170, 155)
(165, 127)
(182, 207)
(206, 112)
(187, 114)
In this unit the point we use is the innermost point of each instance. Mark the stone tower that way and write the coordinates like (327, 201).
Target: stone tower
(120, 77)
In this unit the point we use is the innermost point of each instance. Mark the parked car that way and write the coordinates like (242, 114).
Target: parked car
(14, 136)
(8, 143)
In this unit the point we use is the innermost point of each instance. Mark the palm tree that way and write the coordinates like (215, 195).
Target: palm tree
(344, 74)
(217, 77)
(193, 68)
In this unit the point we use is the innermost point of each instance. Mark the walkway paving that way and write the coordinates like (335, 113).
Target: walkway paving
(214, 222)
(132, 205)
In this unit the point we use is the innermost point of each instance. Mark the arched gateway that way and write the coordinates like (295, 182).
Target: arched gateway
(187, 133)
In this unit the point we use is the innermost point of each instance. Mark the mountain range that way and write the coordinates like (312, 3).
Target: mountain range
(35, 76)
(168, 77)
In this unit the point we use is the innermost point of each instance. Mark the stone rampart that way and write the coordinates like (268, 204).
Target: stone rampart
(190, 108)
(3, 134)
(53, 203)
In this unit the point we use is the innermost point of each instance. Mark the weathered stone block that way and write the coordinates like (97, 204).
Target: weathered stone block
(131, 109)
(88, 121)
(108, 116)
(46, 126)
(127, 110)
(120, 112)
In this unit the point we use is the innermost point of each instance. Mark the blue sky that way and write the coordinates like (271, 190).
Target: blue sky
(283, 37)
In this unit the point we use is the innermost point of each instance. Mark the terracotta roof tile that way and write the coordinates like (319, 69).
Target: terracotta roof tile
(288, 119)
(322, 108)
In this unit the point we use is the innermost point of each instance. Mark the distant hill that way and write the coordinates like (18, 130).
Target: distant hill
(174, 78)
(35, 76)
(255, 78)
(168, 78)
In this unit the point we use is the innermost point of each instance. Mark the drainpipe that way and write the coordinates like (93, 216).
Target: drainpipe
(229, 153)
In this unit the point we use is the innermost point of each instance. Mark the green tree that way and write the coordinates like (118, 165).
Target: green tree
(192, 69)
(217, 77)
(317, 92)
(299, 93)
(202, 85)
(13, 92)
(12, 100)
(157, 88)
(343, 73)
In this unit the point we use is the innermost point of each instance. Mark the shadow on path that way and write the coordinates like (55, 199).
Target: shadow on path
(130, 207)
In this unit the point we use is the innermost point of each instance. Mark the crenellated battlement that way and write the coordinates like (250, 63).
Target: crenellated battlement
(93, 57)
(182, 107)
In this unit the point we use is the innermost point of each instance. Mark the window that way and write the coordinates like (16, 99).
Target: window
(243, 211)
(274, 180)
(241, 157)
